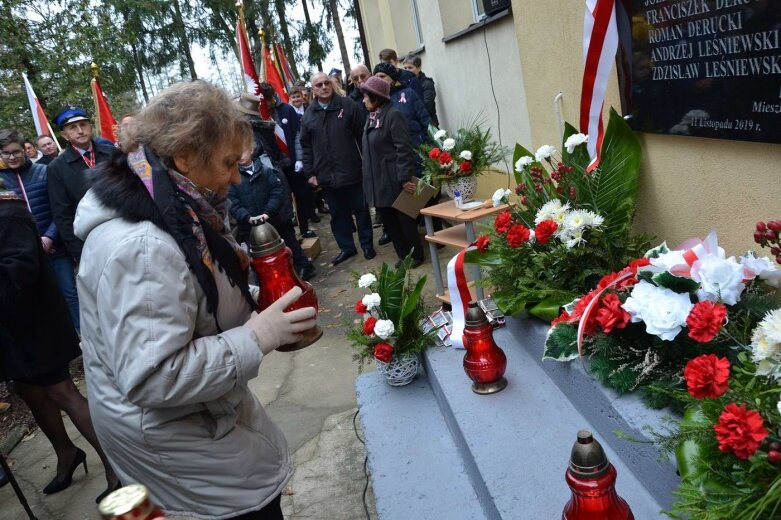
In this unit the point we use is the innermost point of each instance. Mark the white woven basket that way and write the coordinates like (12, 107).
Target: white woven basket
(400, 371)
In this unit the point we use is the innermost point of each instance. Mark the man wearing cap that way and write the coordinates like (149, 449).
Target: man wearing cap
(331, 134)
(68, 177)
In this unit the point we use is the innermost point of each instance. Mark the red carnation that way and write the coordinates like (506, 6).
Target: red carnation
(503, 221)
(383, 352)
(544, 230)
(482, 243)
(465, 166)
(639, 262)
(611, 315)
(518, 235)
(707, 376)
(434, 153)
(445, 158)
(368, 325)
(705, 320)
(360, 308)
(740, 431)
(610, 278)
(580, 308)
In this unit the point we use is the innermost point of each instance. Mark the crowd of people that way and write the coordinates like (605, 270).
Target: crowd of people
(134, 256)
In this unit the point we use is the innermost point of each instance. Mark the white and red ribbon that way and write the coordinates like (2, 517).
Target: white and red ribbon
(402, 98)
(600, 43)
(459, 296)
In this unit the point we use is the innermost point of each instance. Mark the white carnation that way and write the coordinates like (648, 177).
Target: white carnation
(466, 155)
(521, 163)
(449, 144)
(543, 152)
(763, 267)
(663, 311)
(366, 280)
(500, 196)
(371, 300)
(440, 134)
(721, 279)
(384, 329)
(575, 140)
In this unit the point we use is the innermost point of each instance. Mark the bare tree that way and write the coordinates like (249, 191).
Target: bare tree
(332, 7)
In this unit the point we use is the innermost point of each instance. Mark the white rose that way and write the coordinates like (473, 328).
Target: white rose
(575, 140)
(500, 196)
(543, 152)
(521, 163)
(466, 155)
(366, 280)
(440, 134)
(371, 300)
(763, 267)
(449, 144)
(384, 329)
(663, 311)
(720, 279)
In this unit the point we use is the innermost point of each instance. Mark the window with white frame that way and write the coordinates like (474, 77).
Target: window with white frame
(478, 10)
(416, 23)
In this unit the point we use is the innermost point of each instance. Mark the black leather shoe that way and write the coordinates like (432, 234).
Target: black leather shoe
(369, 253)
(308, 234)
(60, 483)
(342, 256)
(307, 272)
(384, 240)
(108, 491)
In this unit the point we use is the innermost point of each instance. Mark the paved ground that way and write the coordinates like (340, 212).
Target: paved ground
(310, 394)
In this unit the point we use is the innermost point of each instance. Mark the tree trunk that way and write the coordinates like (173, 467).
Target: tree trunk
(184, 41)
(288, 43)
(361, 35)
(139, 71)
(339, 35)
(311, 34)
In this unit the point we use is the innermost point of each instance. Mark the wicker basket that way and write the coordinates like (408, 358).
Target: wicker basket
(400, 371)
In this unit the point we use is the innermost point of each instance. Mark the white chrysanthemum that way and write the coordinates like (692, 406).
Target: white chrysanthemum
(779, 406)
(582, 218)
(552, 210)
(371, 300)
(384, 329)
(500, 196)
(766, 345)
(573, 238)
(440, 135)
(366, 280)
(575, 140)
(721, 279)
(448, 144)
(544, 152)
(771, 326)
(466, 155)
(524, 161)
(663, 311)
(763, 267)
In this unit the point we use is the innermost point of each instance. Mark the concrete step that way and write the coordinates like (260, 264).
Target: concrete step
(416, 470)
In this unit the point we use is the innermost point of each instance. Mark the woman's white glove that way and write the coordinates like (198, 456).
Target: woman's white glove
(274, 327)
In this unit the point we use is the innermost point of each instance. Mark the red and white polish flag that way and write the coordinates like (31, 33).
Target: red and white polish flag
(39, 117)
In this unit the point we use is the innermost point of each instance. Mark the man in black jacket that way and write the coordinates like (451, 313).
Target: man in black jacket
(331, 133)
(68, 176)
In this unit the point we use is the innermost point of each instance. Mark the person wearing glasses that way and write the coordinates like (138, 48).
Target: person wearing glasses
(68, 177)
(29, 181)
(358, 75)
(331, 134)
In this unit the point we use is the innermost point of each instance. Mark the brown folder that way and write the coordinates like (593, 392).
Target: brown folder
(411, 203)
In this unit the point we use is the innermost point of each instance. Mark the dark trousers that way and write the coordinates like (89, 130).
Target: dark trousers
(305, 201)
(403, 232)
(62, 265)
(344, 203)
(272, 511)
(288, 234)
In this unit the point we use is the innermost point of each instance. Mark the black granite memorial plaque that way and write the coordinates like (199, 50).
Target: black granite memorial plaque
(706, 68)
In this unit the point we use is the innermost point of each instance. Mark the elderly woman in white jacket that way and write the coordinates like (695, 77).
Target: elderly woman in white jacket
(169, 334)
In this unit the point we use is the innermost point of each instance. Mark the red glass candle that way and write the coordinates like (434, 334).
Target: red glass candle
(484, 361)
(131, 502)
(592, 479)
(273, 263)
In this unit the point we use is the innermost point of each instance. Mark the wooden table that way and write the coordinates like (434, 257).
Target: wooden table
(459, 236)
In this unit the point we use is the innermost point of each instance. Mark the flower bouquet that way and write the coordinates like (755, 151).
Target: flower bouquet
(464, 155)
(389, 329)
(728, 445)
(640, 325)
(571, 226)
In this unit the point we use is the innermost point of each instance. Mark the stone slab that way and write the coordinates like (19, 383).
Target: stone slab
(416, 469)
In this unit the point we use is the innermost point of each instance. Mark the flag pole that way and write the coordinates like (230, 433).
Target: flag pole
(94, 67)
(240, 10)
(262, 35)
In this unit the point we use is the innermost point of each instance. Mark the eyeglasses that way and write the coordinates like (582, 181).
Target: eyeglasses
(15, 153)
(321, 85)
(359, 77)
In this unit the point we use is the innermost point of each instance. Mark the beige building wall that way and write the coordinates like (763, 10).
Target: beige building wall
(460, 68)
(689, 185)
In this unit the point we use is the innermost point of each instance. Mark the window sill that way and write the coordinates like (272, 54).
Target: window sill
(419, 50)
(476, 26)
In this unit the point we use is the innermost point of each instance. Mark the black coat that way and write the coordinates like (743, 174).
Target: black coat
(259, 193)
(388, 159)
(68, 182)
(36, 331)
(429, 97)
(331, 142)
